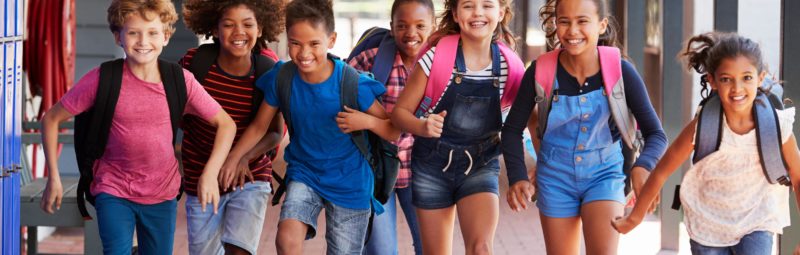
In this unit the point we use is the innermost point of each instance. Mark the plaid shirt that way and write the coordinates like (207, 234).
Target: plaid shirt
(397, 80)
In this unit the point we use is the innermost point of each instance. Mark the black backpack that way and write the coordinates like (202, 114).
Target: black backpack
(708, 135)
(381, 154)
(381, 38)
(92, 126)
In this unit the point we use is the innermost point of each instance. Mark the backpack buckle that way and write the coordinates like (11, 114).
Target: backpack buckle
(784, 180)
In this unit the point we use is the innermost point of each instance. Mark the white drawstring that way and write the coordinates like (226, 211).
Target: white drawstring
(450, 160)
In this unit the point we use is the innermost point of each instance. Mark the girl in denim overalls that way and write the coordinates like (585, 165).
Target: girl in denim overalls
(456, 145)
(579, 173)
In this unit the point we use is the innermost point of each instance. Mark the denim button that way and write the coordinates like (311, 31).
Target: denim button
(586, 116)
(578, 159)
(580, 148)
(583, 99)
(584, 129)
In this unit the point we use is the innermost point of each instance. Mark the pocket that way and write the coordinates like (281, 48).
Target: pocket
(470, 116)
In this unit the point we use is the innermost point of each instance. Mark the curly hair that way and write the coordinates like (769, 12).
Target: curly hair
(548, 16)
(203, 16)
(705, 52)
(121, 10)
(448, 24)
(313, 11)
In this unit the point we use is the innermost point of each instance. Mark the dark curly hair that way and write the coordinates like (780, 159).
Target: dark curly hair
(203, 16)
(312, 11)
(705, 52)
(547, 13)
(448, 24)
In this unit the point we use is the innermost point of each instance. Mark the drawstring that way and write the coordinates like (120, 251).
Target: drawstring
(450, 160)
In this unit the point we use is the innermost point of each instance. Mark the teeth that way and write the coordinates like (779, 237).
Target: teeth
(144, 51)
(477, 23)
(412, 43)
(239, 42)
(737, 98)
(306, 62)
(575, 41)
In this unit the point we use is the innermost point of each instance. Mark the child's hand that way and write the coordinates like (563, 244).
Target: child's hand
(244, 174)
(519, 194)
(53, 193)
(208, 191)
(434, 124)
(352, 120)
(227, 174)
(625, 224)
(639, 176)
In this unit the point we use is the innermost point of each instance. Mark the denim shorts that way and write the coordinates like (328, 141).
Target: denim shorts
(346, 229)
(444, 173)
(239, 220)
(755, 243)
(565, 184)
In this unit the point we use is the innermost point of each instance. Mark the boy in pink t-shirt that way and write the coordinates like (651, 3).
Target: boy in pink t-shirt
(137, 179)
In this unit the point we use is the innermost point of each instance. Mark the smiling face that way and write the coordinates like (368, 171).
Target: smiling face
(142, 39)
(237, 31)
(478, 19)
(412, 24)
(737, 81)
(578, 26)
(308, 48)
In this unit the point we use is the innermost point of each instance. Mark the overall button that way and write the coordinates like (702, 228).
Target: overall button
(580, 147)
(583, 99)
(586, 116)
(584, 129)
(578, 159)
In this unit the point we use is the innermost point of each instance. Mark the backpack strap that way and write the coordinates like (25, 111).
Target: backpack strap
(262, 64)
(768, 133)
(203, 59)
(442, 68)
(611, 68)
(349, 97)
(515, 71)
(384, 59)
(709, 128)
(545, 77)
(284, 89)
(95, 136)
(175, 90)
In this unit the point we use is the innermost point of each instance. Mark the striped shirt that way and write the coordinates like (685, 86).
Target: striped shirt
(394, 85)
(426, 62)
(235, 95)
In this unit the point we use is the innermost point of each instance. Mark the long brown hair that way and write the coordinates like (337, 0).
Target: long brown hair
(548, 16)
(705, 52)
(449, 26)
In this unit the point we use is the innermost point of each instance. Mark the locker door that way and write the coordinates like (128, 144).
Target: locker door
(16, 134)
(8, 113)
(3, 17)
(20, 5)
(3, 150)
(10, 18)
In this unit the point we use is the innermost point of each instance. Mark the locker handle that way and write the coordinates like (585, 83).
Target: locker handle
(15, 168)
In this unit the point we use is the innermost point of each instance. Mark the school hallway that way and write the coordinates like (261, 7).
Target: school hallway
(517, 233)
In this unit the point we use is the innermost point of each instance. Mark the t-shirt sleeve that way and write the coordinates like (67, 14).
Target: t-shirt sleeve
(267, 84)
(81, 97)
(368, 90)
(426, 61)
(786, 119)
(198, 101)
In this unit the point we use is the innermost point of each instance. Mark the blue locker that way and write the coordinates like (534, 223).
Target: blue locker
(20, 8)
(8, 113)
(11, 17)
(3, 164)
(16, 133)
(3, 17)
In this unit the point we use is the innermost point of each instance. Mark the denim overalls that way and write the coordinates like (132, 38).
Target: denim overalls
(579, 161)
(463, 161)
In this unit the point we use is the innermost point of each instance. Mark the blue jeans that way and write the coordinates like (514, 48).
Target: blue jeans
(383, 239)
(755, 243)
(154, 224)
(239, 220)
(404, 196)
(346, 228)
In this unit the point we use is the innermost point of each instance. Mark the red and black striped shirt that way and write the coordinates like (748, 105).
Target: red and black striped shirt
(235, 95)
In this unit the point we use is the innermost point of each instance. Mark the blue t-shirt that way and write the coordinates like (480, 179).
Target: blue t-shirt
(319, 154)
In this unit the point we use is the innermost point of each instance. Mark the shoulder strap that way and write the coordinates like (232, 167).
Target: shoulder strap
(709, 128)
(348, 96)
(442, 67)
(203, 58)
(175, 90)
(262, 64)
(611, 68)
(545, 77)
(384, 59)
(515, 71)
(284, 89)
(768, 133)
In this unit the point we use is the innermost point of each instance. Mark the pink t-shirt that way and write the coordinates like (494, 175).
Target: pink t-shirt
(139, 161)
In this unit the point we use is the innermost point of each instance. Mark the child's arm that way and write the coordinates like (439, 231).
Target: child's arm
(207, 186)
(270, 141)
(53, 191)
(375, 120)
(792, 157)
(521, 115)
(403, 115)
(678, 152)
(254, 132)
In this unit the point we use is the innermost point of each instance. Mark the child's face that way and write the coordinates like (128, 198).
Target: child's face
(237, 30)
(412, 24)
(308, 46)
(478, 18)
(142, 40)
(737, 81)
(578, 25)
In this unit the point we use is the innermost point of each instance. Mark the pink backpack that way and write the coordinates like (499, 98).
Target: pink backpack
(443, 61)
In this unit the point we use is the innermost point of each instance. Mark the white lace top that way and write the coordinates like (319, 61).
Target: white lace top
(726, 195)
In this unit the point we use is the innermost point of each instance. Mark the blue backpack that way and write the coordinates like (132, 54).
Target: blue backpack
(381, 38)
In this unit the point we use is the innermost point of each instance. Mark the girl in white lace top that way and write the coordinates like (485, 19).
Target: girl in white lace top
(730, 207)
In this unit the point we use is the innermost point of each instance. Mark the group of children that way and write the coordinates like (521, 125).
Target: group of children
(448, 87)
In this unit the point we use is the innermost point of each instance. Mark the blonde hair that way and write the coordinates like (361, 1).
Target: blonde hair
(120, 10)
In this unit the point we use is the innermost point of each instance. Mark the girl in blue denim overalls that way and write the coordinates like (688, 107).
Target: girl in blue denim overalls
(453, 107)
(579, 172)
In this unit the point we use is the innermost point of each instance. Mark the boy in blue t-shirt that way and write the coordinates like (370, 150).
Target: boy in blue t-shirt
(325, 168)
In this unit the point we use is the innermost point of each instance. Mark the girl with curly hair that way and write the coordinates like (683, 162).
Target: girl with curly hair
(240, 30)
